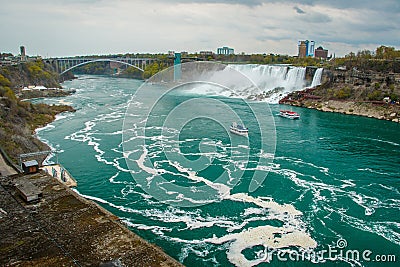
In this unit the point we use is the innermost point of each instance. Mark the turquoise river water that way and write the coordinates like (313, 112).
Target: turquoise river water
(329, 193)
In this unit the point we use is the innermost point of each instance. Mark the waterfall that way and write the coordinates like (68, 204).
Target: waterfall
(317, 78)
(272, 82)
(295, 79)
(269, 77)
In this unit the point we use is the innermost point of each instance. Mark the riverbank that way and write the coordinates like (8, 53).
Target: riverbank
(19, 118)
(370, 94)
(379, 111)
(52, 92)
(61, 228)
(64, 229)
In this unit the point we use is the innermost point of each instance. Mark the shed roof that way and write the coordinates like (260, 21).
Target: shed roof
(30, 163)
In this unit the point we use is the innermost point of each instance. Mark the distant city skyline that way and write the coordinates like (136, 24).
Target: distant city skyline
(56, 28)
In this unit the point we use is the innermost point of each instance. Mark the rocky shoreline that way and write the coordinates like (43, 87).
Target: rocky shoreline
(366, 93)
(387, 112)
(51, 92)
(64, 229)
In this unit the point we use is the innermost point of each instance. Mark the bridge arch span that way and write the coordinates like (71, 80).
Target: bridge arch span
(101, 60)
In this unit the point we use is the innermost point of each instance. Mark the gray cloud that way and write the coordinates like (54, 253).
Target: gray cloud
(240, 2)
(76, 27)
(390, 6)
(299, 10)
(316, 17)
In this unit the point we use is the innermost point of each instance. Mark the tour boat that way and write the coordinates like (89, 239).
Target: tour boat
(239, 129)
(289, 114)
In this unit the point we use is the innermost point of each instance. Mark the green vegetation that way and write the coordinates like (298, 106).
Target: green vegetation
(4, 81)
(375, 95)
(103, 68)
(18, 119)
(153, 68)
(37, 72)
(132, 72)
(394, 97)
(343, 93)
(95, 68)
(31, 73)
(383, 59)
(385, 52)
(361, 83)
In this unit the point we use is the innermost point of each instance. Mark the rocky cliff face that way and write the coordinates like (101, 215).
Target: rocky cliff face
(31, 73)
(356, 85)
(353, 91)
(19, 119)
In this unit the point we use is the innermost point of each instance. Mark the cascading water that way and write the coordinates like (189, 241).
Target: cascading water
(272, 82)
(275, 79)
(317, 77)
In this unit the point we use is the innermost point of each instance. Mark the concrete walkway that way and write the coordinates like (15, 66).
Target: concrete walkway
(5, 170)
(64, 229)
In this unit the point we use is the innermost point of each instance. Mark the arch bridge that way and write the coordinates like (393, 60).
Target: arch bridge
(63, 65)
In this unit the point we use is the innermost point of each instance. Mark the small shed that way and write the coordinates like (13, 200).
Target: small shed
(28, 191)
(31, 166)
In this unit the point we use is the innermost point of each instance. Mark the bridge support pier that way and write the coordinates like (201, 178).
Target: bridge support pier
(177, 67)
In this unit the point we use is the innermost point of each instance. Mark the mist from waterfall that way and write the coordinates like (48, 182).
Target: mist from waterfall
(269, 83)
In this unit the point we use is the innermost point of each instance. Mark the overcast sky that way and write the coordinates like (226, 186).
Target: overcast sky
(54, 28)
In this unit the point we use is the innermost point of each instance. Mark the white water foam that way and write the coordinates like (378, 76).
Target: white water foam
(267, 236)
(257, 210)
(268, 209)
(271, 82)
(292, 233)
(47, 160)
(383, 141)
(370, 204)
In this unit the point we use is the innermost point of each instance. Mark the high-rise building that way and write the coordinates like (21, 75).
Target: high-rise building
(302, 49)
(321, 53)
(311, 47)
(23, 54)
(225, 51)
(306, 48)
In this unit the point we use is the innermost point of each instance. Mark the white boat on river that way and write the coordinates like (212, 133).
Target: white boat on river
(239, 129)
